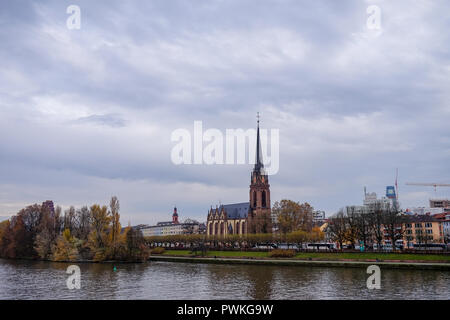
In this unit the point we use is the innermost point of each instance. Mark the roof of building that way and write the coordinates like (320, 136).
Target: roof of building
(442, 216)
(421, 218)
(236, 210)
(164, 223)
(190, 221)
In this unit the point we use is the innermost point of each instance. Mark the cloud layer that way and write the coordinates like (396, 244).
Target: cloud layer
(87, 114)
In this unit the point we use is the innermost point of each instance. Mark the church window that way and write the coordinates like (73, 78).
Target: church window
(264, 199)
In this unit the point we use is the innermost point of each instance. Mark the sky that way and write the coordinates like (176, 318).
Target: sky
(88, 113)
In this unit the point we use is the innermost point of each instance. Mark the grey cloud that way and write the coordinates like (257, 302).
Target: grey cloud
(112, 120)
(93, 109)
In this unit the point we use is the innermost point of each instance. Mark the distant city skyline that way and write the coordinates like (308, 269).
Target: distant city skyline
(87, 114)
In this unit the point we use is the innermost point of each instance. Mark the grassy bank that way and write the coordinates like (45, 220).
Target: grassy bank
(326, 256)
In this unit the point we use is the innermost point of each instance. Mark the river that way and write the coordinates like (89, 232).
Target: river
(169, 280)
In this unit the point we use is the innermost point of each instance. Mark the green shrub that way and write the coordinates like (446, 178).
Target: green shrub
(158, 250)
(281, 253)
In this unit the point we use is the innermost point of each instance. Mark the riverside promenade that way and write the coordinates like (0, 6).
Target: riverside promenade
(308, 263)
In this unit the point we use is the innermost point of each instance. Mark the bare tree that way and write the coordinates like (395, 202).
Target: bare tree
(69, 219)
(375, 219)
(337, 228)
(114, 207)
(364, 230)
(352, 218)
(83, 223)
(392, 222)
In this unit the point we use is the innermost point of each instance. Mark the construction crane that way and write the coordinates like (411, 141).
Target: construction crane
(431, 184)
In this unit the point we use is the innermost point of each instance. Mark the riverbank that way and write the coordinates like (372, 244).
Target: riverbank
(350, 260)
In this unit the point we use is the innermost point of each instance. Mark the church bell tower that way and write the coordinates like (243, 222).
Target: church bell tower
(260, 209)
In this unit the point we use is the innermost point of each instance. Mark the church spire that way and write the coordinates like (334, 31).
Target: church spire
(259, 159)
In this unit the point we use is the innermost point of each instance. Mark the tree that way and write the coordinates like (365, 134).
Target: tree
(98, 237)
(83, 223)
(5, 238)
(316, 235)
(116, 227)
(376, 219)
(70, 219)
(135, 245)
(337, 228)
(293, 216)
(25, 228)
(364, 230)
(100, 224)
(48, 231)
(65, 248)
(392, 222)
(298, 237)
(35, 232)
(352, 218)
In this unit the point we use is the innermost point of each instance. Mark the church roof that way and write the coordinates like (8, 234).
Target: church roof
(236, 210)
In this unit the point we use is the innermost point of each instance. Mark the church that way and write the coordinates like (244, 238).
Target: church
(245, 217)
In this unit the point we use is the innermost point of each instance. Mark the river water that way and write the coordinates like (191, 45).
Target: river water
(168, 280)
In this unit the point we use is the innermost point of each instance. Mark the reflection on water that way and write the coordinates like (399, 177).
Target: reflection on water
(166, 280)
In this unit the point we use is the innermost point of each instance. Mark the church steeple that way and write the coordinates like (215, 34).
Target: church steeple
(259, 184)
(175, 216)
(259, 215)
(259, 159)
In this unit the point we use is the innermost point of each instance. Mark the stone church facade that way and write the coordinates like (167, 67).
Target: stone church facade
(245, 217)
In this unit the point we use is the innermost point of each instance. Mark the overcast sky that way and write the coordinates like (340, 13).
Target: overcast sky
(87, 114)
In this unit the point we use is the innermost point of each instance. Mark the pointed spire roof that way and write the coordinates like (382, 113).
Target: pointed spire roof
(259, 159)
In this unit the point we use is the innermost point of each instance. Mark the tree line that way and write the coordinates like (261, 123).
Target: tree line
(94, 233)
(236, 241)
(368, 226)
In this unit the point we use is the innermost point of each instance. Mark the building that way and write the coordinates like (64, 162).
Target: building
(421, 229)
(444, 218)
(253, 216)
(49, 206)
(371, 199)
(318, 218)
(440, 203)
(423, 211)
(174, 227)
(437, 206)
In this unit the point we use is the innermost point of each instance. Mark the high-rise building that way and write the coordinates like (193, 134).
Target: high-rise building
(371, 199)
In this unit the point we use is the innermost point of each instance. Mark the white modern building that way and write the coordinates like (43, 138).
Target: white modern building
(370, 199)
(318, 217)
